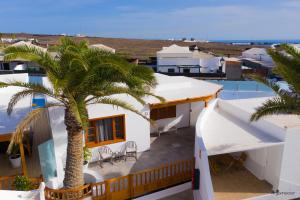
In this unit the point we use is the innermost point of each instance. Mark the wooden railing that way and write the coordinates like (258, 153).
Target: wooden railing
(130, 186)
(6, 182)
(143, 182)
(70, 194)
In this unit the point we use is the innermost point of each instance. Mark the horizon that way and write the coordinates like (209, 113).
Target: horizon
(175, 39)
(134, 19)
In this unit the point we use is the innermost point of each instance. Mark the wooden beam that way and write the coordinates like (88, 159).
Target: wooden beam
(24, 167)
(5, 137)
(182, 101)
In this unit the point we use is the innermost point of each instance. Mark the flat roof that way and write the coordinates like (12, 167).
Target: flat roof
(282, 121)
(179, 87)
(223, 133)
(8, 124)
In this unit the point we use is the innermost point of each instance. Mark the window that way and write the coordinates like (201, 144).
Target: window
(106, 130)
(163, 113)
(171, 70)
(186, 70)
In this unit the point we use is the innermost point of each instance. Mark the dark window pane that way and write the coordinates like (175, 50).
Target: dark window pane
(104, 128)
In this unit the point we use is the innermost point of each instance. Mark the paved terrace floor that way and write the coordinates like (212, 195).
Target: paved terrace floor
(238, 184)
(169, 147)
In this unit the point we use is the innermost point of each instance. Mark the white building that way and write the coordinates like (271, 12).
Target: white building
(185, 98)
(258, 55)
(103, 47)
(296, 46)
(270, 145)
(19, 64)
(177, 59)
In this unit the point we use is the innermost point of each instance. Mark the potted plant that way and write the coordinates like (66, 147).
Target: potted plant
(14, 156)
(22, 183)
(87, 155)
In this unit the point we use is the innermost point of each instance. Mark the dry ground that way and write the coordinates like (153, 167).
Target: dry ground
(140, 48)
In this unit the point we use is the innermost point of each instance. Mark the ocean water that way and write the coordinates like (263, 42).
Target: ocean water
(258, 42)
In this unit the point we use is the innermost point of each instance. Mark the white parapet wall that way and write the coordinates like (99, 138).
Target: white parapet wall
(167, 192)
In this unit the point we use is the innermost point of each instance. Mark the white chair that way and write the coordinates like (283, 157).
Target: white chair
(106, 154)
(130, 150)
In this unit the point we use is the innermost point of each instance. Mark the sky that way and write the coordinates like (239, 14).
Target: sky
(155, 19)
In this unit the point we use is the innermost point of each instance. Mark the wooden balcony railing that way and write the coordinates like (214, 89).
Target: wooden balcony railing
(70, 194)
(143, 182)
(130, 186)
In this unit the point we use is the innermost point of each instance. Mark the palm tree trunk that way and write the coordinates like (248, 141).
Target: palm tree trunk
(74, 162)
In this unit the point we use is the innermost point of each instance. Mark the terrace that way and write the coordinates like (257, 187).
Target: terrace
(168, 148)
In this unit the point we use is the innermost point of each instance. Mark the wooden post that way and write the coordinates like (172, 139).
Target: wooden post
(130, 186)
(107, 190)
(24, 167)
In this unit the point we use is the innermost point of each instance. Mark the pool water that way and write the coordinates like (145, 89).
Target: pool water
(243, 89)
(242, 85)
(38, 100)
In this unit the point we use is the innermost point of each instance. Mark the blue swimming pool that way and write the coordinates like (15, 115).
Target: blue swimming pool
(38, 100)
(243, 89)
(242, 85)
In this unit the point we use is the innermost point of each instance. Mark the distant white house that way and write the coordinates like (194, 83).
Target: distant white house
(270, 145)
(19, 64)
(258, 55)
(178, 59)
(103, 47)
(296, 46)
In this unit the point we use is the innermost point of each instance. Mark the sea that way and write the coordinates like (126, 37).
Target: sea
(257, 42)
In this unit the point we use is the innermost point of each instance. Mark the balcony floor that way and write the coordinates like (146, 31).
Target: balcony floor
(169, 147)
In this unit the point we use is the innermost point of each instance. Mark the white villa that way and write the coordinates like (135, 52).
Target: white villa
(178, 59)
(267, 148)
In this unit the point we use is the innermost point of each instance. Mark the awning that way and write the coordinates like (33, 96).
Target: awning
(223, 133)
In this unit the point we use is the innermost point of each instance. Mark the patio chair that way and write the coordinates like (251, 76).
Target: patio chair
(130, 150)
(106, 154)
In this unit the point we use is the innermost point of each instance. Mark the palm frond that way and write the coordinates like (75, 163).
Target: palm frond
(277, 105)
(118, 103)
(30, 118)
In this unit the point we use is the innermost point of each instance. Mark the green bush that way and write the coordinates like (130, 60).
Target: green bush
(87, 154)
(22, 183)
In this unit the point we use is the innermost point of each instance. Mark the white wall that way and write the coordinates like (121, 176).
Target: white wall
(290, 170)
(210, 64)
(201, 162)
(196, 108)
(265, 164)
(181, 120)
(178, 61)
(137, 129)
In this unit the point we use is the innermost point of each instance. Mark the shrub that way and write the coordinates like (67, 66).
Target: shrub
(22, 183)
(87, 154)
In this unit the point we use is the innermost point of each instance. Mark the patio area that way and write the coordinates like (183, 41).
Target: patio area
(167, 148)
(237, 183)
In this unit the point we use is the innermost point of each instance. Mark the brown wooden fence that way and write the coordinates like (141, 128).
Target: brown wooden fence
(130, 186)
(6, 182)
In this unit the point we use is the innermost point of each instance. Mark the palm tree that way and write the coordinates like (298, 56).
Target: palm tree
(287, 60)
(80, 76)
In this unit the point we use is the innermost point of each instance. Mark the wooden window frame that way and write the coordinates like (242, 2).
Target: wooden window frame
(156, 115)
(115, 140)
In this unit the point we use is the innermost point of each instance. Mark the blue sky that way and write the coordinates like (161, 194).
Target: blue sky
(202, 19)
